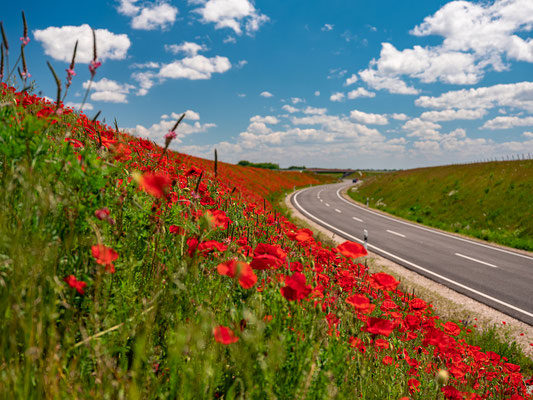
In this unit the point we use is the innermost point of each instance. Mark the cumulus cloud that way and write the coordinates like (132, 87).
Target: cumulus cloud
(58, 43)
(290, 109)
(327, 27)
(109, 91)
(450, 114)
(195, 68)
(476, 36)
(76, 106)
(296, 100)
(426, 130)
(266, 94)
(238, 15)
(360, 92)
(518, 95)
(317, 93)
(146, 81)
(351, 80)
(314, 110)
(528, 135)
(507, 122)
(369, 118)
(146, 65)
(149, 16)
(269, 119)
(190, 49)
(339, 96)
(399, 116)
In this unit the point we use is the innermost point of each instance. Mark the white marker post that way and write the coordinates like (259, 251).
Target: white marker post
(365, 238)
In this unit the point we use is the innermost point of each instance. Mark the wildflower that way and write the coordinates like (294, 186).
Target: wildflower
(451, 329)
(379, 326)
(105, 256)
(239, 269)
(169, 136)
(295, 287)
(93, 66)
(224, 335)
(387, 360)
(267, 256)
(25, 40)
(361, 303)
(413, 385)
(219, 219)
(383, 281)
(75, 284)
(176, 230)
(156, 184)
(352, 250)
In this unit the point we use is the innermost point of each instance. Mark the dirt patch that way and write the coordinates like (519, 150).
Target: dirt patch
(448, 303)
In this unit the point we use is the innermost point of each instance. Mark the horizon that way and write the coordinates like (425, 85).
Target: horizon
(339, 85)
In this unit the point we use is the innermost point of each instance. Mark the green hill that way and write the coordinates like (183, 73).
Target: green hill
(490, 201)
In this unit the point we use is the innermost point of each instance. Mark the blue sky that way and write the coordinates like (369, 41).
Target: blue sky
(384, 84)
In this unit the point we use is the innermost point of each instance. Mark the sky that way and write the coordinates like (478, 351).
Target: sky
(338, 83)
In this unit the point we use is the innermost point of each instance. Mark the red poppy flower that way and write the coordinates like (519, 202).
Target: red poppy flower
(156, 184)
(451, 329)
(413, 385)
(75, 284)
(176, 230)
(211, 245)
(247, 277)
(267, 256)
(361, 303)
(192, 243)
(352, 250)
(224, 335)
(387, 360)
(102, 213)
(383, 281)
(295, 287)
(105, 256)
(219, 219)
(379, 326)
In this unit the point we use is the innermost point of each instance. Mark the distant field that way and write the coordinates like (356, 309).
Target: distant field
(491, 201)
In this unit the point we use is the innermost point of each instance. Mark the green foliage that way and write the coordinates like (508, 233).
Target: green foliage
(265, 165)
(489, 201)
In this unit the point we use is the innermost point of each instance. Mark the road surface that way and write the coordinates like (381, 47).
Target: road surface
(498, 277)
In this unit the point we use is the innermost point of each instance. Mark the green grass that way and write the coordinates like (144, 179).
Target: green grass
(489, 201)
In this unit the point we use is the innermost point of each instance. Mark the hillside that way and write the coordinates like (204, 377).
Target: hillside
(130, 271)
(490, 201)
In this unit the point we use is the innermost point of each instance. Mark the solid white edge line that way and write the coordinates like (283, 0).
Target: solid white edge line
(295, 196)
(357, 219)
(431, 230)
(476, 260)
(339, 211)
(396, 233)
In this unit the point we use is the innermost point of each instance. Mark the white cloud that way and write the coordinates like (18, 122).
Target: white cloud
(528, 135)
(296, 100)
(426, 130)
(290, 109)
(148, 64)
(157, 131)
(241, 95)
(58, 43)
(360, 92)
(194, 68)
(266, 94)
(269, 119)
(351, 80)
(190, 49)
(241, 64)
(399, 116)
(517, 95)
(146, 81)
(317, 93)
(237, 15)
(391, 83)
(339, 96)
(230, 39)
(507, 122)
(315, 111)
(368, 118)
(450, 114)
(149, 16)
(109, 91)
(76, 106)
(327, 27)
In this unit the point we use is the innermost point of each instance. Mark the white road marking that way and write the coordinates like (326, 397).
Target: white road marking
(321, 200)
(339, 211)
(327, 205)
(476, 260)
(395, 233)
(347, 235)
(357, 219)
(431, 230)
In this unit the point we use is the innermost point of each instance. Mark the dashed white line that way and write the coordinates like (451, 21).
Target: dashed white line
(357, 219)
(327, 205)
(396, 233)
(339, 211)
(321, 200)
(476, 260)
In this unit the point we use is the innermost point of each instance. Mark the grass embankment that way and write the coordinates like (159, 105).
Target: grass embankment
(489, 201)
(129, 271)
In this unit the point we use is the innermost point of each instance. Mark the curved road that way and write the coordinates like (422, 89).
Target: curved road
(498, 277)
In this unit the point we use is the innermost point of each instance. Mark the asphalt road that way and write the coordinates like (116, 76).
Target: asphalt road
(498, 277)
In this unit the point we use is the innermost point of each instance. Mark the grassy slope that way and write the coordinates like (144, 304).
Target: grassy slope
(490, 201)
